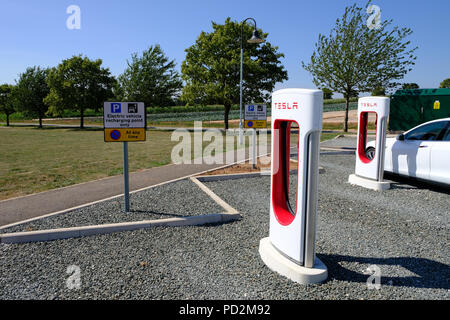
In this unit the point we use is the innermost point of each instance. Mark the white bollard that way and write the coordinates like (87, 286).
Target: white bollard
(369, 167)
(290, 247)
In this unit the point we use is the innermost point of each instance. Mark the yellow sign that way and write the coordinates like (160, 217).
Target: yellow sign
(255, 124)
(437, 105)
(124, 135)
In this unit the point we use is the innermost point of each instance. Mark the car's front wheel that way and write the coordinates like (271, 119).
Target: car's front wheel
(370, 153)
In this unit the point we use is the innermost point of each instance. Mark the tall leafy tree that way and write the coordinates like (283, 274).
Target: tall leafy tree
(78, 83)
(7, 100)
(30, 92)
(211, 70)
(445, 83)
(150, 78)
(355, 58)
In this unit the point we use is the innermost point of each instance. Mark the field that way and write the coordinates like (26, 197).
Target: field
(34, 160)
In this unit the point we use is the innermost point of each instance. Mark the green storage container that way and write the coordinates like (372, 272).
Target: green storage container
(412, 107)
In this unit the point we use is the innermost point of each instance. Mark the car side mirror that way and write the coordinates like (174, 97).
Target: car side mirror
(401, 137)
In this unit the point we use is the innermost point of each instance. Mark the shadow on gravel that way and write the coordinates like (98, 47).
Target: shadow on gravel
(430, 274)
(399, 182)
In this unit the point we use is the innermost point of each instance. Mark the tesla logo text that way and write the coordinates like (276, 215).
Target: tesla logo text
(286, 105)
(368, 104)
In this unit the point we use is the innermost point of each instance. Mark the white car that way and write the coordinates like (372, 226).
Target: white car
(422, 152)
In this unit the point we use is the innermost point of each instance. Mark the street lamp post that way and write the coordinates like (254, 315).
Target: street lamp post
(254, 39)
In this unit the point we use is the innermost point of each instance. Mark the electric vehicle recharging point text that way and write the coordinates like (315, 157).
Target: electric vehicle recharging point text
(369, 167)
(290, 247)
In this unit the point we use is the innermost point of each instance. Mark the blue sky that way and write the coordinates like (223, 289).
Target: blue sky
(35, 33)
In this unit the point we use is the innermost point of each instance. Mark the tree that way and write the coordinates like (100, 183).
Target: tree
(7, 101)
(379, 91)
(445, 83)
(78, 83)
(354, 57)
(30, 91)
(351, 94)
(211, 70)
(151, 78)
(406, 86)
(327, 93)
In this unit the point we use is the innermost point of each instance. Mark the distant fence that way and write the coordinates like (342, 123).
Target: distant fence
(339, 107)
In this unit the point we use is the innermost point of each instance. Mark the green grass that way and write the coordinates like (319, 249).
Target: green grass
(34, 160)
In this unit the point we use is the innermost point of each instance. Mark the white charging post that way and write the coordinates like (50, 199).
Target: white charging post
(290, 247)
(369, 167)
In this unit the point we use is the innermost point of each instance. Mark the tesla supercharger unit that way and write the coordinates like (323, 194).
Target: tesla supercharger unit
(290, 247)
(369, 165)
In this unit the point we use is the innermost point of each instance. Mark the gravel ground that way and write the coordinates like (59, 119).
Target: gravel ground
(149, 204)
(403, 231)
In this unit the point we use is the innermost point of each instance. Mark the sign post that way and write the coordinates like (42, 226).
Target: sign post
(124, 122)
(126, 180)
(255, 116)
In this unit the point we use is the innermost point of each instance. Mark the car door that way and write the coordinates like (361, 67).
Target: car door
(412, 156)
(440, 158)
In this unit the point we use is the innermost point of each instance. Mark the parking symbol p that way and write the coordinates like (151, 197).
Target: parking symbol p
(116, 108)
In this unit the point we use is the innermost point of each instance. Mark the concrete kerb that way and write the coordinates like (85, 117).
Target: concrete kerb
(229, 176)
(75, 232)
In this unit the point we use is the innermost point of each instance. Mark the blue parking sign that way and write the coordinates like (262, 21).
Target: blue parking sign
(116, 108)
